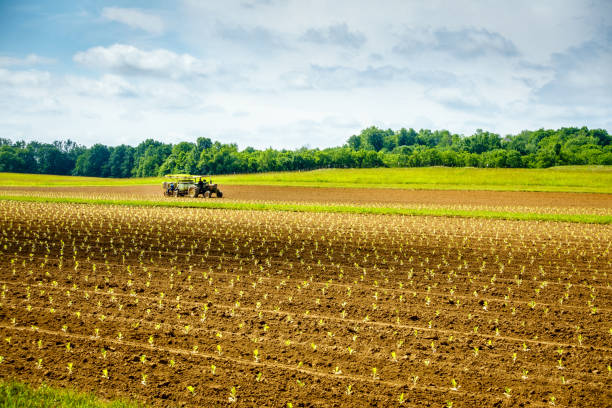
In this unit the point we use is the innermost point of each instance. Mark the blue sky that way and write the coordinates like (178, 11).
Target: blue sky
(289, 73)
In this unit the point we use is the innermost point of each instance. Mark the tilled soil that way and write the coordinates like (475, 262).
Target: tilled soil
(309, 309)
(363, 196)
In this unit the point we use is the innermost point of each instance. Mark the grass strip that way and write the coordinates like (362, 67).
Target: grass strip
(14, 394)
(583, 179)
(344, 209)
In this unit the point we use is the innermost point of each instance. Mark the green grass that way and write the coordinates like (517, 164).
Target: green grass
(350, 209)
(51, 180)
(15, 394)
(594, 179)
(597, 179)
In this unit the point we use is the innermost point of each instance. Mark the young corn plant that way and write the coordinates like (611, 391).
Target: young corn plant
(233, 395)
(394, 356)
(256, 355)
(375, 373)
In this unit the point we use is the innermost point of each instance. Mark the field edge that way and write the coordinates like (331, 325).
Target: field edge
(344, 209)
(576, 179)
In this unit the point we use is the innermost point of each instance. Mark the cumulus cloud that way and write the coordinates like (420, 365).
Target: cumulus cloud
(461, 43)
(338, 34)
(581, 74)
(29, 60)
(107, 86)
(337, 77)
(257, 39)
(281, 68)
(341, 77)
(129, 60)
(135, 18)
(463, 99)
(23, 78)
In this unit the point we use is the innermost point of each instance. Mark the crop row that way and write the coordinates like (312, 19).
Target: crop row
(202, 307)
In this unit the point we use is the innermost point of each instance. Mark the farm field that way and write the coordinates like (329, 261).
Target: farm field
(593, 179)
(568, 207)
(201, 307)
(356, 196)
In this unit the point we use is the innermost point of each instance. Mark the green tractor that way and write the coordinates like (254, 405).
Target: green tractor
(181, 185)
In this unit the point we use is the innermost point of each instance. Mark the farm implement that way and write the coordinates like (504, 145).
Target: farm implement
(181, 185)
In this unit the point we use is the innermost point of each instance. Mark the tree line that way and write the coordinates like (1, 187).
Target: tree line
(373, 147)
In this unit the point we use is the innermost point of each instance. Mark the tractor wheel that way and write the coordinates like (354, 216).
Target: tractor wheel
(192, 192)
(219, 194)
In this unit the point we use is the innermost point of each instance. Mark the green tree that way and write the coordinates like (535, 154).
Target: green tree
(373, 138)
(93, 162)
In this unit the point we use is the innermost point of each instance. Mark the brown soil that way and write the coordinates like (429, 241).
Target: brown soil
(323, 298)
(366, 196)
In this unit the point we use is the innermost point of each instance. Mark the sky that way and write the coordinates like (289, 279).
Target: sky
(293, 73)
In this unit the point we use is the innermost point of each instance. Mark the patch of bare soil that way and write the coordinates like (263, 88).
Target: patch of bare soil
(309, 309)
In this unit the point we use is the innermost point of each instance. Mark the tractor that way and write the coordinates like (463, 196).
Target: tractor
(181, 185)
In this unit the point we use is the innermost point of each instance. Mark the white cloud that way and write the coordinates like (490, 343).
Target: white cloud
(107, 86)
(23, 78)
(288, 73)
(460, 43)
(581, 74)
(29, 60)
(135, 18)
(129, 60)
(337, 34)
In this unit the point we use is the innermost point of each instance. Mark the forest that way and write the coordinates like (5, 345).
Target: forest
(373, 147)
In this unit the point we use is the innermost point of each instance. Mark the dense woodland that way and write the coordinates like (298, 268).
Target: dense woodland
(373, 147)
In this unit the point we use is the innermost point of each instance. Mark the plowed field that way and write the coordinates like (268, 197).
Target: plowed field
(355, 196)
(201, 307)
